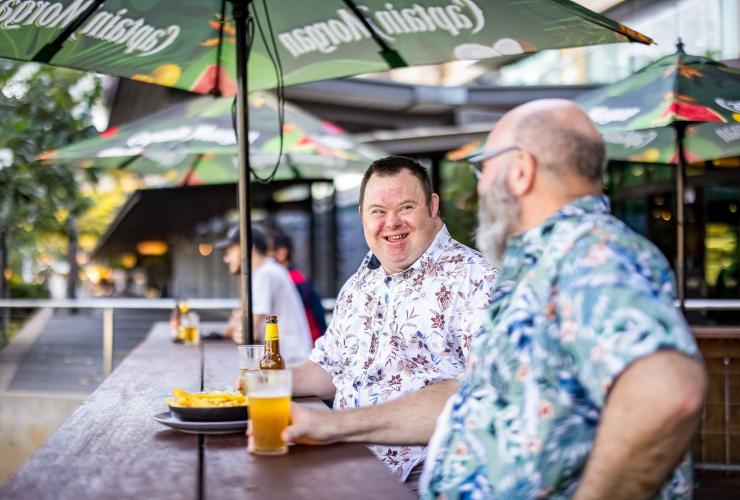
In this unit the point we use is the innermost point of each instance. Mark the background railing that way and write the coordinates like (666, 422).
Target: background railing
(109, 305)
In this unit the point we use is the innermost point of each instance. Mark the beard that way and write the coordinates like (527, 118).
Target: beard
(498, 211)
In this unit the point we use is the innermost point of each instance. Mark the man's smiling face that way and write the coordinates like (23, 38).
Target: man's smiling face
(397, 223)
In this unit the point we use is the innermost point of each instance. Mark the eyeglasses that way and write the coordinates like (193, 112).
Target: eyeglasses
(476, 162)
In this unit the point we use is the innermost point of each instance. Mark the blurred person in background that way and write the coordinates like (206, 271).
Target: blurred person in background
(273, 292)
(281, 249)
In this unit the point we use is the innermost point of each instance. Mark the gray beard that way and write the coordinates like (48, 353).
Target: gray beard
(498, 210)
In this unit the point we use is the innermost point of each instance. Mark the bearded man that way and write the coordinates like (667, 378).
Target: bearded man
(587, 382)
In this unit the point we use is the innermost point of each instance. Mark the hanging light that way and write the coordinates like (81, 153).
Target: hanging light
(152, 247)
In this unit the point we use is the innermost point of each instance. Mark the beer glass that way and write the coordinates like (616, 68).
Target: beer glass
(249, 360)
(269, 394)
(190, 328)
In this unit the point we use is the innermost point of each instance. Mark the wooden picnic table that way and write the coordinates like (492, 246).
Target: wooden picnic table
(111, 447)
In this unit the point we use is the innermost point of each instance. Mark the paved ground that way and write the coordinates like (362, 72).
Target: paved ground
(68, 354)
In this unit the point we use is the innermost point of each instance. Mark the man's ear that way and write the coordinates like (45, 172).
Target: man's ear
(522, 173)
(434, 205)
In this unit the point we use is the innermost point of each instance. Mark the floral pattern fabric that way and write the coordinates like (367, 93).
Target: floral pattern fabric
(391, 335)
(579, 298)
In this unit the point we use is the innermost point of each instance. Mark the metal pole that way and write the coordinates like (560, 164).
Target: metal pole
(680, 216)
(4, 290)
(241, 16)
(107, 341)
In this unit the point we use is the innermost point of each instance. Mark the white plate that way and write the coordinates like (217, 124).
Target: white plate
(192, 427)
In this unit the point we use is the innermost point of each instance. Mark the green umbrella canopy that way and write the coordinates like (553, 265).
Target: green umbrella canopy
(638, 115)
(190, 44)
(194, 142)
(703, 142)
(680, 109)
(201, 46)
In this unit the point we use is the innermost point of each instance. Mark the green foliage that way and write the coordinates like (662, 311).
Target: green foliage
(20, 290)
(460, 201)
(42, 108)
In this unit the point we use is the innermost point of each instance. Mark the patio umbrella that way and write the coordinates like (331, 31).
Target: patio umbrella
(679, 109)
(196, 45)
(195, 143)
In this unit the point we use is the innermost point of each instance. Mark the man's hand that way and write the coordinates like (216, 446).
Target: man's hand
(408, 419)
(308, 426)
(234, 329)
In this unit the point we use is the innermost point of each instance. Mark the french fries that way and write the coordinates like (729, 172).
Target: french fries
(183, 398)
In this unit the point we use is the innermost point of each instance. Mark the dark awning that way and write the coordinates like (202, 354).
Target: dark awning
(164, 213)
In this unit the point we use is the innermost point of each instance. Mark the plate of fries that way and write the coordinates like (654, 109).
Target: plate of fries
(213, 406)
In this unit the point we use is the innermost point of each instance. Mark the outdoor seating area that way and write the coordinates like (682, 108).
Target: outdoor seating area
(130, 460)
(437, 249)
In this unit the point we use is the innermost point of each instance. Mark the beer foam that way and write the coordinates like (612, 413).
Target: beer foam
(269, 393)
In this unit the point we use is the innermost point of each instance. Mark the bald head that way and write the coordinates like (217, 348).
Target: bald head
(559, 134)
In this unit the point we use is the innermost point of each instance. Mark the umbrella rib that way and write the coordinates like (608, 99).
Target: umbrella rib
(216, 90)
(191, 170)
(606, 22)
(391, 56)
(48, 51)
(128, 162)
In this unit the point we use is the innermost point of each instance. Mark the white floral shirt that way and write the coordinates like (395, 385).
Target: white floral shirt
(391, 335)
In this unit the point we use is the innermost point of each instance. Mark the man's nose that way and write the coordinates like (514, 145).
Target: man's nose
(392, 219)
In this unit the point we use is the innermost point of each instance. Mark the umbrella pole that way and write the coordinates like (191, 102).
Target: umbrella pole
(680, 216)
(240, 12)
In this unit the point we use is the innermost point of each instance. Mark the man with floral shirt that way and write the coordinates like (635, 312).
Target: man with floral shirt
(402, 325)
(586, 382)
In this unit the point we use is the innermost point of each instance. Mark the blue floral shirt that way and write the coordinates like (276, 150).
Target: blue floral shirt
(579, 298)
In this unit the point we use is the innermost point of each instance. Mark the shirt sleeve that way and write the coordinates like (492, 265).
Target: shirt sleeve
(262, 285)
(327, 351)
(612, 311)
(472, 306)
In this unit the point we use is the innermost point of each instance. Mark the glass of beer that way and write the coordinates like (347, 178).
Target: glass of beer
(269, 394)
(189, 328)
(249, 360)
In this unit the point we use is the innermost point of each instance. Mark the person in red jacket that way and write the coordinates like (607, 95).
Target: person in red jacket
(281, 247)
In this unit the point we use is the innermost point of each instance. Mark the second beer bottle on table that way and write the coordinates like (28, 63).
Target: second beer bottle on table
(272, 360)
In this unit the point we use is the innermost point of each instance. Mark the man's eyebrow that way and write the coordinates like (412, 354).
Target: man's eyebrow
(404, 202)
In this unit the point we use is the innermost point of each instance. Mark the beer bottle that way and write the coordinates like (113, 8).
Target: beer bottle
(272, 360)
(175, 319)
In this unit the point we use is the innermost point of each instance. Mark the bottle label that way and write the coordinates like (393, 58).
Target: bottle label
(271, 331)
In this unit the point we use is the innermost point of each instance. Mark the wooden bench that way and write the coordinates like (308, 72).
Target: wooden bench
(111, 447)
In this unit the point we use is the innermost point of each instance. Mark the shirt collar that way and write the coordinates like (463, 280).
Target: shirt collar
(534, 239)
(432, 253)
